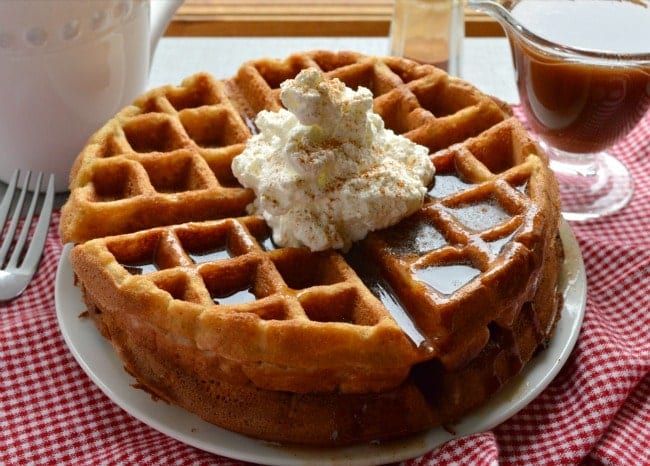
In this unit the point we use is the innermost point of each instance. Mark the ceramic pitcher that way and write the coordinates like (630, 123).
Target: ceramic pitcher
(66, 66)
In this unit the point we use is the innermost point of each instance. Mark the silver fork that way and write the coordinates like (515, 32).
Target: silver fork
(17, 270)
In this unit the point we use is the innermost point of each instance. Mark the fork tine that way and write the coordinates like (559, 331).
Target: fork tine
(36, 245)
(27, 223)
(8, 197)
(11, 231)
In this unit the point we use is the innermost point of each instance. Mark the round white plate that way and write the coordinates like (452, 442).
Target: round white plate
(97, 359)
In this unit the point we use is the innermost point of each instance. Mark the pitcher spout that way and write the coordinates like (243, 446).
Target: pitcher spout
(500, 10)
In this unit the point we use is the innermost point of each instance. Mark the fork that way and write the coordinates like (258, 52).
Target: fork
(17, 271)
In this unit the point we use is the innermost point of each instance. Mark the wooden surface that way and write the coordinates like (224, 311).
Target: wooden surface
(300, 18)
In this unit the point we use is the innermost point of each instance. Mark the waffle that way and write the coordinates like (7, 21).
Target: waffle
(413, 327)
(166, 159)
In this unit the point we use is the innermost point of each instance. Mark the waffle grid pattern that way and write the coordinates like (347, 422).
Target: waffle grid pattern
(595, 412)
(473, 219)
(211, 273)
(301, 297)
(170, 152)
(316, 322)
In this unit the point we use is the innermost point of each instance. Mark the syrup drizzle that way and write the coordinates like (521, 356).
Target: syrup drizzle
(418, 238)
(210, 255)
(446, 185)
(267, 244)
(371, 277)
(236, 297)
(140, 268)
(382, 290)
(479, 217)
(446, 279)
(522, 187)
(495, 247)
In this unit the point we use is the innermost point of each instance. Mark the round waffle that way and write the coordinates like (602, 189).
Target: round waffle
(414, 326)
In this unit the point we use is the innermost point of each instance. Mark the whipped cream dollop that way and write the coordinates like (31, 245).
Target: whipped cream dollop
(325, 171)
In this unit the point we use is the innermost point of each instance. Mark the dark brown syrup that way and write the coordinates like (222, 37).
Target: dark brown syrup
(210, 255)
(235, 297)
(586, 106)
(371, 276)
(140, 268)
(446, 279)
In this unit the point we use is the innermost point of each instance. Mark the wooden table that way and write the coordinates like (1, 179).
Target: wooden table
(300, 18)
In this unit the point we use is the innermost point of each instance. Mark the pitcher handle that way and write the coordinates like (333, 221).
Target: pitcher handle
(162, 12)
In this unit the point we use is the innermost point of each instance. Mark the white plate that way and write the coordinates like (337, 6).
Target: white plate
(97, 359)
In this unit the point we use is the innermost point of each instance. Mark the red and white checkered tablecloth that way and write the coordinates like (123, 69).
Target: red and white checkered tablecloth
(596, 411)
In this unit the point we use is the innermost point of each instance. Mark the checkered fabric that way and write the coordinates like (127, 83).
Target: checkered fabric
(596, 411)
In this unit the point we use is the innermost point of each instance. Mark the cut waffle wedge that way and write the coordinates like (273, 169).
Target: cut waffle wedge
(413, 327)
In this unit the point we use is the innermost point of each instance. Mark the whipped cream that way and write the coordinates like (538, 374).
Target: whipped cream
(326, 172)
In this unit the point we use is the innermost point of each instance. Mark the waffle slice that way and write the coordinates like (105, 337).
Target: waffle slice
(320, 348)
(473, 253)
(286, 319)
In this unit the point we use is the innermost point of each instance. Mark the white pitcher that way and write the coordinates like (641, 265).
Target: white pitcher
(66, 66)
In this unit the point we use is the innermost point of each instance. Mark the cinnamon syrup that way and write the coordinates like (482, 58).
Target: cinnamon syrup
(583, 106)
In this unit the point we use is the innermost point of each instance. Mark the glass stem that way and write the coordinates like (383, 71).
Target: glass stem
(585, 165)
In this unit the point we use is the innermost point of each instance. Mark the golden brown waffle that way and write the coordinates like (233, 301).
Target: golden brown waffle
(166, 159)
(413, 327)
(297, 321)
(430, 396)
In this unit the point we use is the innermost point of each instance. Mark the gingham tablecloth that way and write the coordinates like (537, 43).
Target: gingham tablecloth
(597, 410)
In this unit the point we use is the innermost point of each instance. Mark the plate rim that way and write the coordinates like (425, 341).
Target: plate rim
(517, 393)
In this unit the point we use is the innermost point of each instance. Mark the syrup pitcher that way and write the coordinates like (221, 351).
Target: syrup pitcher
(583, 76)
(66, 67)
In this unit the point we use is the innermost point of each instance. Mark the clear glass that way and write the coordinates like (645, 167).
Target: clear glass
(583, 76)
(429, 31)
